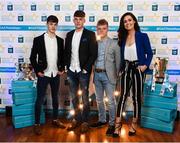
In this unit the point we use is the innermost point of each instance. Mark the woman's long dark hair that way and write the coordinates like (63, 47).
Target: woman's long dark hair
(122, 32)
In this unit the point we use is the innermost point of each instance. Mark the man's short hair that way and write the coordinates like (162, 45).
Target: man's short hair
(102, 22)
(79, 13)
(52, 18)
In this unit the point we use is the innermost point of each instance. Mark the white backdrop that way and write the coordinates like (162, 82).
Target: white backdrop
(21, 21)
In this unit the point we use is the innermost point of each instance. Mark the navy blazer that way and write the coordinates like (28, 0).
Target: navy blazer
(143, 48)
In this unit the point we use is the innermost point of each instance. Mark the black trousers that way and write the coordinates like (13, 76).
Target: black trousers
(42, 84)
(131, 78)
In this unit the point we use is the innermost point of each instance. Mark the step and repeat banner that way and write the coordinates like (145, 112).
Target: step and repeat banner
(21, 21)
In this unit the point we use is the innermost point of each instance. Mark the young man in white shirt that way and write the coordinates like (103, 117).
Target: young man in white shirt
(80, 54)
(47, 60)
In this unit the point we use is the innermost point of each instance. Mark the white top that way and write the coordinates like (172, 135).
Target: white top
(130, 52)
(75, 64)
(51, 54)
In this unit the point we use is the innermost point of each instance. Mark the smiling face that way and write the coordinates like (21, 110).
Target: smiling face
(128, 23)
(79, 22)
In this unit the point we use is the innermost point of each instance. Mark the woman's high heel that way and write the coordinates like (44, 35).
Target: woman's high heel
(132, 130)
(117, 131)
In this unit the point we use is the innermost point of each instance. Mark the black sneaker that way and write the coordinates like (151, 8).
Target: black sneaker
(110, 130)
(37, 129)
(97, 124)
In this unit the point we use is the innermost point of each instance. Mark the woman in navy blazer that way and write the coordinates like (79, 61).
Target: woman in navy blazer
(136, 56)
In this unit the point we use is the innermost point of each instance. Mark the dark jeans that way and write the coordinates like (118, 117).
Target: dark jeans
(42, 83)
(76, 81)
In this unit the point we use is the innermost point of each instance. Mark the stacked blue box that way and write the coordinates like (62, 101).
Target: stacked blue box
(159, 111)
(24, 96)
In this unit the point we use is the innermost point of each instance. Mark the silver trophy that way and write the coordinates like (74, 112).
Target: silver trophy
(160, 67)
(27, 71)
(18, 73)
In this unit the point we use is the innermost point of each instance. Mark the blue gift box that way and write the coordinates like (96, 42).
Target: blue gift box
(23, 83)
(159, 113)
(24, 109)
(21, 101)
(24, 97)
(22, 86)
(26, 120)
(160, 102)
(156, 124)
(156, 92)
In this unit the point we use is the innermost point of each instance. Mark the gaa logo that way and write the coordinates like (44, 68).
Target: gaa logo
(20, 39)
(43, 18)
(57, 7)
(10, 7)
(105, 7)
(154, 7)
(10, 49)
(165, 18)
(130, 7)
(115, 18)
(174, 51)
(164, 40)
(67, 18)
(20, 18)
(91, 18)
(33, 7)
(140, 18)
(81, 7)
(177, 7)
(154, 51)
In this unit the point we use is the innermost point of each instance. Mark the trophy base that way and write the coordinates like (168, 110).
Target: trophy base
(159, 80)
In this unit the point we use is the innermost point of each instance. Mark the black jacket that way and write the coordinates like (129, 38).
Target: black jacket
(88, 49)
(38, 54)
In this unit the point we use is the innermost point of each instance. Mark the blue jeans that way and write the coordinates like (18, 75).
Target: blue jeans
(76, 81)
(102, 84)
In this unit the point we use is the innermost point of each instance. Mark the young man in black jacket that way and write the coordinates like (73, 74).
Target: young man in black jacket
(47, 60)
(80, 53)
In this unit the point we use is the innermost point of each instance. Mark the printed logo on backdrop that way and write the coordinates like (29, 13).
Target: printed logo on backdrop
(154, 51)
(175, 51)
(81, 6)
(154, 7)
(164, 40)
(165, 18)
(33, 7)
(115, 18)
(20, 17)
(177, 7)
(9, 6)
(43, 18)
(92, 18)
(129, 7)
(105, 7)
(57, 7)
(20, 39)
(67, 18)
(10, 49)
(140, 18)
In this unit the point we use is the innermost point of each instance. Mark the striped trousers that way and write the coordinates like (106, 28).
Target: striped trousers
(131, 79)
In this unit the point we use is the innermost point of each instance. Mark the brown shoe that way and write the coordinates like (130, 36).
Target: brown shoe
(37, 129)
(73, 125)
(58, 124)
(84, 127)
